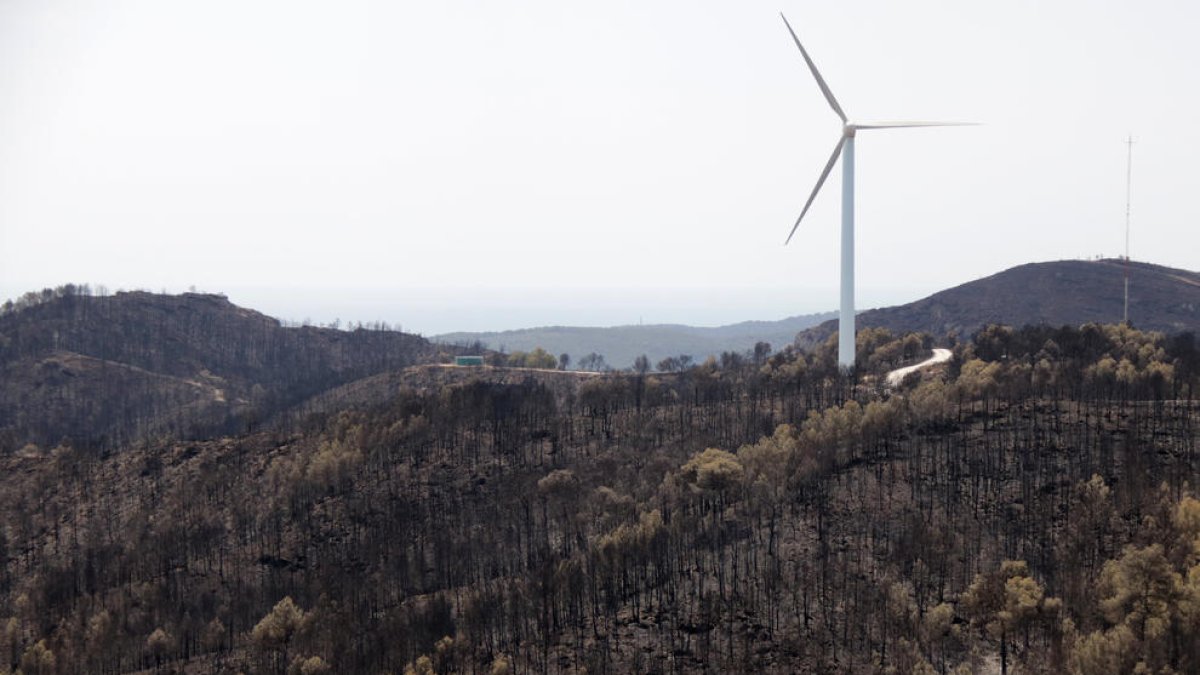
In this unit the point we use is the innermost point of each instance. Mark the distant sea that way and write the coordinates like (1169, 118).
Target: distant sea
(435, 311)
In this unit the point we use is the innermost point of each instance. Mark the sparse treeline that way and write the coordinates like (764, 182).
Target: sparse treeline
(1030, 507)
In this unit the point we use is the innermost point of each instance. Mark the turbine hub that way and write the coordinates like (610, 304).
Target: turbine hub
(848, 129)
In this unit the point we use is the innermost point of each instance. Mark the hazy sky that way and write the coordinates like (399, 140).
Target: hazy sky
(465, 165)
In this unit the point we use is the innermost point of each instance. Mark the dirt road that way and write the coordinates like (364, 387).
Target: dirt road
(897, 376)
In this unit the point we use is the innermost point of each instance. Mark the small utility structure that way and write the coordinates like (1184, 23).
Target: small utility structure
(468, 360)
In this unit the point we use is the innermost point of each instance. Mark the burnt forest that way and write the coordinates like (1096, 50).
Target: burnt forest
(192, 487)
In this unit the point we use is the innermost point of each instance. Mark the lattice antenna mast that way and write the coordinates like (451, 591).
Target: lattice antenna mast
(1128, 185)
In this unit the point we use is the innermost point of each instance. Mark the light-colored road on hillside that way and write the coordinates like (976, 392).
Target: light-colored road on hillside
(484, 368)
(897, 376)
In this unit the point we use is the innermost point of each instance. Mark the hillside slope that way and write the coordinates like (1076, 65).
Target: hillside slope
(1065, 292)
(768, 518)
(108, 370)
(620, 345)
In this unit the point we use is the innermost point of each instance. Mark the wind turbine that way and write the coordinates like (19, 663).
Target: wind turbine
(845, 147)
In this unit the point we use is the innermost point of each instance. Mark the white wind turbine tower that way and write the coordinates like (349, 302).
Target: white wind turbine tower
(845, 147)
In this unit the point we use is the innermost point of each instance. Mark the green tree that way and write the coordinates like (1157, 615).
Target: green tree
(540, 358)
(1105, 652)
(1139, 590)
(713, 470)
(313, 665)
(501, 665)
(422, 666)
(158, 644)
(1006, 601)
(274, 633)
(38, 660)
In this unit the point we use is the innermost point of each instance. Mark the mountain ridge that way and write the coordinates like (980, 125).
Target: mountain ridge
(107, 370)
(1071, 292)
(620, 345)
(1061, 292)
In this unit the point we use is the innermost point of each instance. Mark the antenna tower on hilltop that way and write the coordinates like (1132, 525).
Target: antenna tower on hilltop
(1128, 184)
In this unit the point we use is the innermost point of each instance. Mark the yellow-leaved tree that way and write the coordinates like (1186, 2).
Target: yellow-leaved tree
(273, 634)
(1150, 600)
(713, 471)
(1008, 603)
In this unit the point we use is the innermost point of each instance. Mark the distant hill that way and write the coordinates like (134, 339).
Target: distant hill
(620, 345)
(107, 370)
(1065, 292)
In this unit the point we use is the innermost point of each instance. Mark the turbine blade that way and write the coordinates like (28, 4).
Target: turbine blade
(903, 125)
(820, 181)
(816, 73)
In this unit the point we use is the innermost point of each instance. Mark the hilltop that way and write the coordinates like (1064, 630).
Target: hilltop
(1064, 292)
(108, 370)
(620, 345)
(1067, 292)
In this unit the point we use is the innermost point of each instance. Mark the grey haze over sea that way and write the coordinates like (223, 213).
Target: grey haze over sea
(433, 311)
